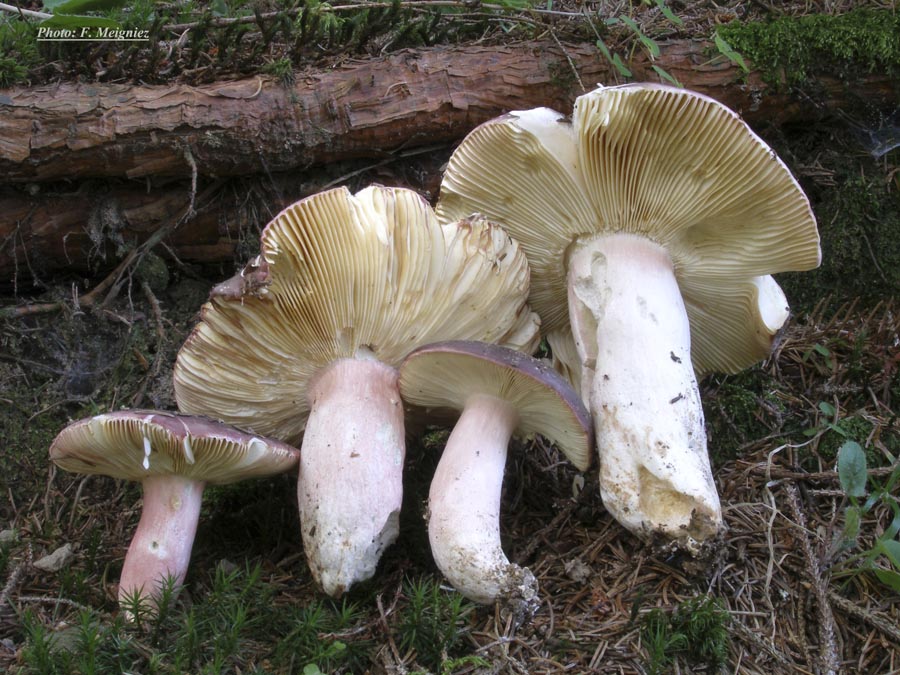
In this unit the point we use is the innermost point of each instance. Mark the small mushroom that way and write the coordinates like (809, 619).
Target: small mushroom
(173, 457)
(306, 342)
(500, 392)
(651, 220)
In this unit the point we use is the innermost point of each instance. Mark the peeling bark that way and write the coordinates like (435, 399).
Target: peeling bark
(357, 109)
(360, 109)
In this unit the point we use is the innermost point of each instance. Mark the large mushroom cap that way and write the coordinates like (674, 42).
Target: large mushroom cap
(447, 374)
(669, 164)
(341, 276)
(137, 444)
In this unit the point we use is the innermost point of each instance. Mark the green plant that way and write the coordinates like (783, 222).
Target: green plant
(38, 653)
(312, 636)
(854, 479)
(729, 53)
(432, 623)
(832, 430)
(11, 71)
(790, 49)
(70, 13)
(695, 631)
(19, 49)
(648, 44)
(283, 69)
(829, 422)
(209, 637)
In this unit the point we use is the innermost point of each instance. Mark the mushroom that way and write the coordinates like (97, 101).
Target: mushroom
(173, 457)
(500, 392)
(651, 222)
(310, 334)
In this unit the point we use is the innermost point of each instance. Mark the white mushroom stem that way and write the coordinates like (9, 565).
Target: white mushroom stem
(161, 547)
(632, 334)
(464, 507)
(351, 471)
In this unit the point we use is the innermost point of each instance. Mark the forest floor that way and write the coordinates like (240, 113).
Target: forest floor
(806, 578)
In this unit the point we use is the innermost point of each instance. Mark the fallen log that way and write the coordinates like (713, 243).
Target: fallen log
(85, 231)
(356, 109)
(377, 108)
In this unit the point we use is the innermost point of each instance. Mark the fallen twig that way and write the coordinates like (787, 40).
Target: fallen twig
(889, 629)
(827, 646)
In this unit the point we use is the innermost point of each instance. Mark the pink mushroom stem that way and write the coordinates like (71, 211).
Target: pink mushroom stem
(464, 505)
(161, 547)
(351, 470)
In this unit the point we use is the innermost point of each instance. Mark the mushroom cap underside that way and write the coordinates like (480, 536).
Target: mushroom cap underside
(136, 444)
(445, 375)
(668, 164)
(371, 275)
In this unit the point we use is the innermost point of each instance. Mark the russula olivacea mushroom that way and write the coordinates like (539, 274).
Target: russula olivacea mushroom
(652, 221)
(500, 393)
(174, 457)
(305, 342)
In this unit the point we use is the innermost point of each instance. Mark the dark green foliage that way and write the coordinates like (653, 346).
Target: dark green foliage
(881, 559)
(433, 621)
(791, 49)
(18, 50)
(739, 409)
(299, 32)
(208, 637)
(696, 632)
(858, 224)
(856, 200)
(312, 636)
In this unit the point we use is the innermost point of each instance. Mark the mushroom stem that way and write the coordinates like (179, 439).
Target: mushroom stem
(161, 547)
(633, 338)
(464, 508)
(351, 471)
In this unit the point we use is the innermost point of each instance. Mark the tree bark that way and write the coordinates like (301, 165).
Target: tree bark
(358, 109)
(375, 108)
(85, 231)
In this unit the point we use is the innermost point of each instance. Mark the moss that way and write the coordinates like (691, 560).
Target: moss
(831, 441)
(739, 409)
(859, 220)
(154, 272)
(792, 49)
(696, 632)
(18, 44)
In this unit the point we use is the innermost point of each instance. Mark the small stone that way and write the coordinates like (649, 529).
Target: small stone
(577, 571)
(8, 537)
(54, 562)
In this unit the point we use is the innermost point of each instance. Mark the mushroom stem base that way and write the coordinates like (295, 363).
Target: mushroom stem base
(161, 547)
(633, 339)
(351, 471)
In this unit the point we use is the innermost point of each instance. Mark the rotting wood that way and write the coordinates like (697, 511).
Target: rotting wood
(84, 231)
(355, 109)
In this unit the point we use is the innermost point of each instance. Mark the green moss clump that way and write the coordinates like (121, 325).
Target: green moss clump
(696, 632)
(859, 221)
(859, 429)
(18, 45)
(790, 49)
(739, 409)
(154, 272)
